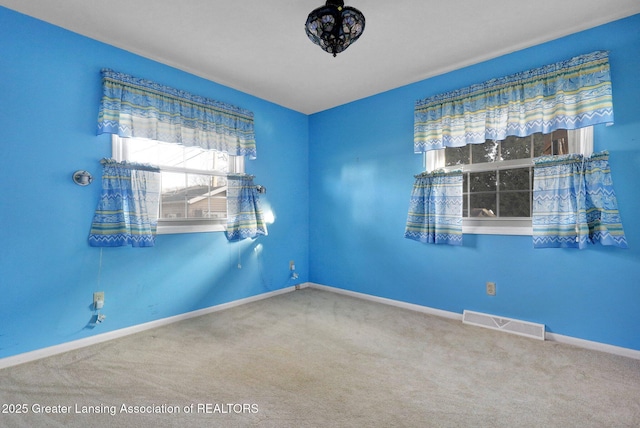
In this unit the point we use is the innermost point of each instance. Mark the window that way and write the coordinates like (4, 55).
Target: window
(194, 182)
(498, 177)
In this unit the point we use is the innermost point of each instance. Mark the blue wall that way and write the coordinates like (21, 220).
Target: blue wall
(50, 89)
(362, 166)
(355, 161)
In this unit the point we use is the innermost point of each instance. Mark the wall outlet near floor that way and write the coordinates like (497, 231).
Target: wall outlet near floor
(98, 300)
(292, 265)
(491, 288)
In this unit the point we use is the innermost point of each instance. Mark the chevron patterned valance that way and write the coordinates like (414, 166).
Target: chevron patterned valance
(134, 107)
(566, 95)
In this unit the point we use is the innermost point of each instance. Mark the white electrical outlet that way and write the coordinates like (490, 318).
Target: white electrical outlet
(491, 288)
(98, 300)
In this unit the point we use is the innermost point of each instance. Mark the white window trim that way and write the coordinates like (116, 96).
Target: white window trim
(185, 226)
(580, 141)
(189, 228)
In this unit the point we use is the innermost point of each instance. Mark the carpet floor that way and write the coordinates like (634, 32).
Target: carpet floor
(313, 358)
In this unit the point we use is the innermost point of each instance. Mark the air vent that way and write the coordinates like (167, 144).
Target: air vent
(521, 328)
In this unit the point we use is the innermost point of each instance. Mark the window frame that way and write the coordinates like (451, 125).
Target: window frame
(186, 225)
(580, 141)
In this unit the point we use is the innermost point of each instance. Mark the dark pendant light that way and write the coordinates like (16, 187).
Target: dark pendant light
(334, 27)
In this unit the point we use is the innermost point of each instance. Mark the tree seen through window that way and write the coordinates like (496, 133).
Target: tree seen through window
(497, 185)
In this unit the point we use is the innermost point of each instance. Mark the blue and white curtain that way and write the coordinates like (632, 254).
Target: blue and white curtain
(134, 107)
(244, 214)
(570, 94)
(435, 209)
(574, 203)
(127, 213)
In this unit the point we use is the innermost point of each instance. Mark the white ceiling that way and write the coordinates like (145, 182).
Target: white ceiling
(260, 46)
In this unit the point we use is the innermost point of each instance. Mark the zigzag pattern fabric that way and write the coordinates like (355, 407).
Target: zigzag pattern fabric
(435, 209)
(134, 107)
(570, 94)
(127, 213)
(244, 214)
(574, 203)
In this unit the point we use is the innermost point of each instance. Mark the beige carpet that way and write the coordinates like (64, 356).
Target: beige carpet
(312, 358)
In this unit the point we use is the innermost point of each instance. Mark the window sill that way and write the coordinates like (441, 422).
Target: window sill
(493, 226)
(477, 230)
(192, 228)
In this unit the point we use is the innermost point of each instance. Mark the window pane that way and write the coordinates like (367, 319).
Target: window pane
(487, 152)
(456, 155)
(483, 194)
(515, 204)
(194, 182)
(483, 204)
(174, 155)
(483, 181)
(515, 179)
(142, 151)
(516, 148)
(221, 161)
(173, 198)
(196, 158)
(556, 143)
(206, 160)
(193, 196)
(170, 155)
(493, 188)
(560, 142)
(538, 144)
(197, 195)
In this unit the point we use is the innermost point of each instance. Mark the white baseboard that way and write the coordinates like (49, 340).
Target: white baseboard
(104, 337)
(568, 340)
(100, 338)
(594, 346)
(397, 303)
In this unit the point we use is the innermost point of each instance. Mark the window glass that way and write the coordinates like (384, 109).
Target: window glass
(487, 152)
(193, 182)
(515, 204)
(482, 194)
(515, 148)
(456, 155)
(498, 176)
(515, 179)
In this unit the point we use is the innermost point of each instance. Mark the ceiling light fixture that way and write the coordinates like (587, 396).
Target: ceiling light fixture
(334, 27)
